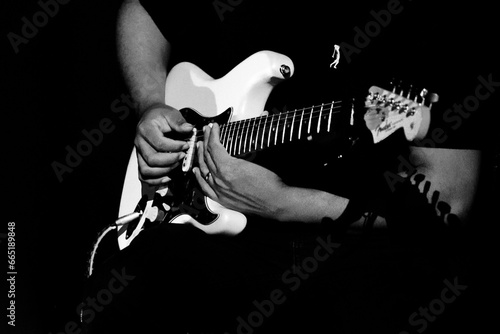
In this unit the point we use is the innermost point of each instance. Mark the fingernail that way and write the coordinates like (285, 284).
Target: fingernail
(165, 179)
(187, 126)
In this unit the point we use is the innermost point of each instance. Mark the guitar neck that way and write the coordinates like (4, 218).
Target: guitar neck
(255, 134)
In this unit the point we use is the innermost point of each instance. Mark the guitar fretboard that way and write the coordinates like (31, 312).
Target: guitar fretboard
(255, 134)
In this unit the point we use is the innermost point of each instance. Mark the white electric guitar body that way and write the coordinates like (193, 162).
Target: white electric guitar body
(241, 94)
(236, 102)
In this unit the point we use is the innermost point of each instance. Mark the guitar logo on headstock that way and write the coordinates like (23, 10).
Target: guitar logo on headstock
(389, 111)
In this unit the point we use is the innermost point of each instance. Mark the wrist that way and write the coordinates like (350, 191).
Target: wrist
(308, 205)
(144, 107)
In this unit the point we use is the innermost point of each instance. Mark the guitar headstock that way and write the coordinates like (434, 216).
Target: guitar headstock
(389, 111)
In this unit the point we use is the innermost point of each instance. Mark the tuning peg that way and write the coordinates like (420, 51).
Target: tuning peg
(397, 85)
(393, 84)
(417, 95)
(433, 99)
(402, 91)
(423, 93)
(408, 96)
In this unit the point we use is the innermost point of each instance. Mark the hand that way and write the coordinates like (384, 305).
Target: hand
(235, 183)
(157, 154)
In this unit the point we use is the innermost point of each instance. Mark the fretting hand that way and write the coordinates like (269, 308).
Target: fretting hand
(235, 183)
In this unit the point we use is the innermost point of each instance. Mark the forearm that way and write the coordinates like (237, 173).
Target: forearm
(143, 53)
(308, 205)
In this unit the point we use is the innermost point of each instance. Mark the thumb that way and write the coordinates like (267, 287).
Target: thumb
(178, 123)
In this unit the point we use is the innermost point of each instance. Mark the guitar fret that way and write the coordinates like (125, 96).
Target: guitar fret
(241, 137)
(226, 131)
(238, 138)
(264, 133)
(270, 130)
(223, 133)
(293, 121)
(237, 127)
(277, 127)
(251, 135)
(284, 128)
(230, 137)
(257, 135)
(310, 118)
(330, 116)
(246, 136)
(319, 118)
(242, 125)
(300, 125)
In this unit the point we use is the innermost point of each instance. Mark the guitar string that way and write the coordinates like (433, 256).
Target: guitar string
(267, 125)
(326, 107)
(302, 117)
(306, 110)
(303, 113)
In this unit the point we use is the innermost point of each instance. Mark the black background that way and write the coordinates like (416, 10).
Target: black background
(64, 81)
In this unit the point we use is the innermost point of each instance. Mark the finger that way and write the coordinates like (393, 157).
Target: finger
(176, 121)
(207, 156)
(201, 158)
(216, 150)
(148, 173)
(205, 187)
(156, 182)
(155, 137)
(157, 159)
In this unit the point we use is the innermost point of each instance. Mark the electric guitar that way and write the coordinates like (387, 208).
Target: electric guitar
(236, 101)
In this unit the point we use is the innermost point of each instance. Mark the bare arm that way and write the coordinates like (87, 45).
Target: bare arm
(309, 205)
(143, 53)
(248, 188)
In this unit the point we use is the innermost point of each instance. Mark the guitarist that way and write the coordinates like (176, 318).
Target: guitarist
(381, 217)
